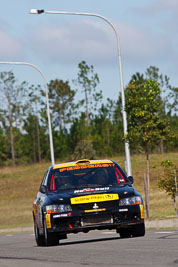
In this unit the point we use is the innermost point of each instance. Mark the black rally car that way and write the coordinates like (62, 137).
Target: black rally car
(86, 195)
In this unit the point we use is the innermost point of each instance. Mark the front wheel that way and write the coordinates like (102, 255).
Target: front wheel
(125, 233)
(39, 238)
(138, 230)
(133, 231)
(50, 239)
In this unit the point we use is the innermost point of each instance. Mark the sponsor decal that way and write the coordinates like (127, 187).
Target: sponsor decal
(122, 210)
(91, 190)
(100, 165)
(141, 211)
(94, 198)
(95, 206)
(62, 215)
(48, 220)
(94, 210)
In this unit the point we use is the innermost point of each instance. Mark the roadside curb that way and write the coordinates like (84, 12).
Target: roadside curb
(17, 230)
(161, 224)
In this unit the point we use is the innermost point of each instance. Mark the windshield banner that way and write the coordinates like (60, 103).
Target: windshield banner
(105, 165)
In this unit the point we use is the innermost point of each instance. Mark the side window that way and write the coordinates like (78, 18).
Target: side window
(45, 178)
(119, 175)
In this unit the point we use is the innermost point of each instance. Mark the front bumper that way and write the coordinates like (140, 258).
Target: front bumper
(75, 222)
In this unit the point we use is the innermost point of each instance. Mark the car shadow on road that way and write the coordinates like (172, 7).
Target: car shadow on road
(89, 241)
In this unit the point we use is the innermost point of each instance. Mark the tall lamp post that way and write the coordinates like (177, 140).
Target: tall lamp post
(127, 150)
(47, 101)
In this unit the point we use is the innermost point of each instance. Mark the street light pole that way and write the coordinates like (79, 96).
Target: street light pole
(47, 101)
(127, 150)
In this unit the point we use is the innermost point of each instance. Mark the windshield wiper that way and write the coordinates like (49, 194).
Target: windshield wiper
(79, 186)
(118, 184)
(85, 185)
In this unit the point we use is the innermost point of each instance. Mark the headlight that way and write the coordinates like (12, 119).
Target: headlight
(130, 201)
(58, 208)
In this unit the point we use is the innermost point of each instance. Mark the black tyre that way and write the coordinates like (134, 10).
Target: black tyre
(39, 238)
(134, 231)
(50, 239)
(138, 230)
(125, 233)
(62, 236)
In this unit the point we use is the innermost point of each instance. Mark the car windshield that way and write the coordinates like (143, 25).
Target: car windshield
(86, 176)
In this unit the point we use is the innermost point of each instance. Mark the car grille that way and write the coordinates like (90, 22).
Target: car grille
(106, 204)
(96, 219)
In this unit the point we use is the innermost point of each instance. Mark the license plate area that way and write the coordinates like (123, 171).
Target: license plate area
(96, 219)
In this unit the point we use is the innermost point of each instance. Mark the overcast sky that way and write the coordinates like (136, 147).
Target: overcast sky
(57, 43)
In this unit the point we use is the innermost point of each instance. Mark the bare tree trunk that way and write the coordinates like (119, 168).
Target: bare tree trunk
(175, 206)
(87, 113)
(11, 133)
(108, 136)
(12, 145)
(38, 139)
(176, 195)
(146, 197)
(34, 148)
(148, 173)
(161, 146)
(60, 116)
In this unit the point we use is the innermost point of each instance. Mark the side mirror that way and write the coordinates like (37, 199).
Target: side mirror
(131, 179)
(43, 189)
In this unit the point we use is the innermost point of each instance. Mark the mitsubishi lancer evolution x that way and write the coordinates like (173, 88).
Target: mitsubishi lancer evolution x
(86, 195)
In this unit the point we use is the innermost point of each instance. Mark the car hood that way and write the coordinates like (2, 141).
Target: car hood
(65, 195)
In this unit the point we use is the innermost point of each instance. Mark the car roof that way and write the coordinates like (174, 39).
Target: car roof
(81, 162)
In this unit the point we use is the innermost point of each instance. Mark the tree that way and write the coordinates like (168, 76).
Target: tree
(62, 102)
(3, 147)
(118, 134)
(163, 80)
(31, 146)
(172, 104)
(102, 129)
(84, 150)
(168, 181)
(12, 107)
(78, 132)
(144, 106)
(32, 123)
(88, 80)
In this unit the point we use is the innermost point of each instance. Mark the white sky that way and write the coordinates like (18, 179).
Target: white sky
(57, 43)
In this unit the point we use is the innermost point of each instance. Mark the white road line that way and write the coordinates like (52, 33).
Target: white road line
(108, 233)
(164, 232)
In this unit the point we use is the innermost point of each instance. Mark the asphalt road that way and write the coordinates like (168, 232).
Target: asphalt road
(157, 248)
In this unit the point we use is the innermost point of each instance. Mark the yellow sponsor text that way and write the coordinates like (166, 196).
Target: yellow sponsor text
(95, 210)
(94, 198)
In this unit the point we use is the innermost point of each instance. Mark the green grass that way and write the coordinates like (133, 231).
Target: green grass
(19, 185)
